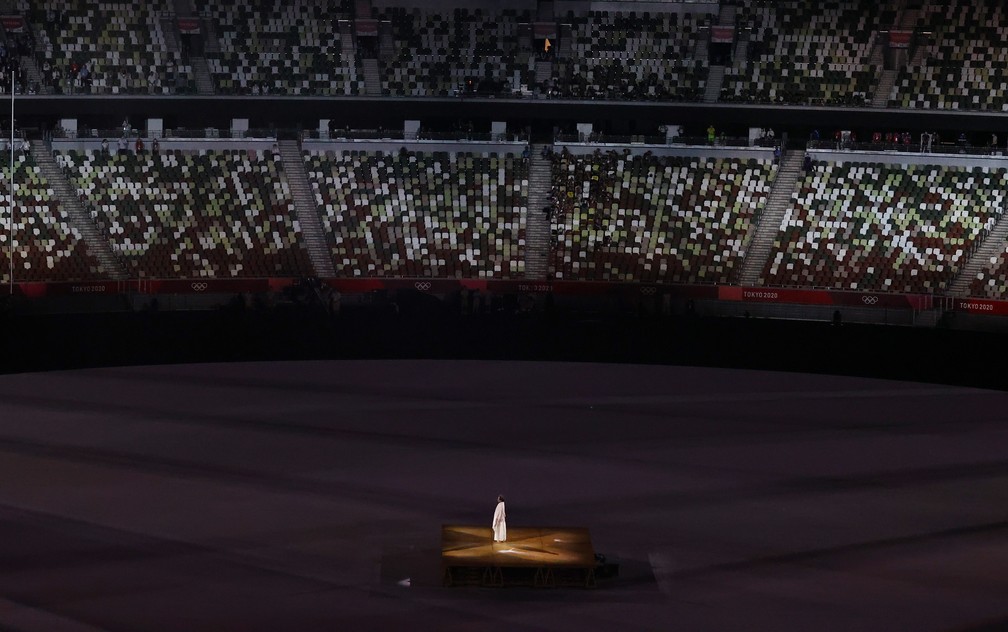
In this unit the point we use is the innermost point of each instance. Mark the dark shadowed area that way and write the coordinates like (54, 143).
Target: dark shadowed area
(302, 496)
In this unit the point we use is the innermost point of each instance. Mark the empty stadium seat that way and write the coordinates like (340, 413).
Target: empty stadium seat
(290, 48)
(439, 54)
(416, 214)
(47, 247)
(963, 64)
(192, 214)
(879, 227)
(655, 219)
(808, 52)
(123, 45)
(630, 55)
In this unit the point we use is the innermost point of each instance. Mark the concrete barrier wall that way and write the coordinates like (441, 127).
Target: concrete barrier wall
(222, 144)
(911, 158)
(689, 151)
(391, 146)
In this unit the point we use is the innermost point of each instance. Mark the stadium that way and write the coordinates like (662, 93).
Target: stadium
(714, 292)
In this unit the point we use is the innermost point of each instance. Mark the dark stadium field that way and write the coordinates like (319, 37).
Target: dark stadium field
(310, 496)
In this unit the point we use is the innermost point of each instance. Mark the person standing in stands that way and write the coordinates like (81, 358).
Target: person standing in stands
(710, 134)
(500, 521)
(139, 145)
(155, 146)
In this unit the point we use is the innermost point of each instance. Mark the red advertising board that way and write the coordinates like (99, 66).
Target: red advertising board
(981, 306)
(824, 297)
(188, 25)
(722, 34)
(900, 39)
(209, 286)
(79, 289)
(366, 27)
(13, 23)
(794, 296)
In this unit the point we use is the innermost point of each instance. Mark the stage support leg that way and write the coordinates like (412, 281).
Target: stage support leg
(492, 576)
(544, 578)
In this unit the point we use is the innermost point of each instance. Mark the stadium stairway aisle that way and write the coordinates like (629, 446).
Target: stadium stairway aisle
(991, 247)
(307, 210)
(543, 70)
(347, 40)
(907, 19)
(33, 75)
(759, 246)
(726, 14)
(715, 79)
(537, 233)
(171, 35)
(184, 8)
(201, 70)
(742, 50)
(211, 43)
(372, 78)
(884, 88)
(70, 202)
(701, 48)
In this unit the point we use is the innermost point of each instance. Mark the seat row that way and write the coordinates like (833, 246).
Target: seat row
(612, 216)
(897, 228)
(423, 214)
(618, 217)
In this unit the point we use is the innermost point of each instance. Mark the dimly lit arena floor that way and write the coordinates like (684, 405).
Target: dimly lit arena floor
(301, 496)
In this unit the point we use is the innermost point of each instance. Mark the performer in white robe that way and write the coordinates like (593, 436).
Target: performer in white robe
(499, 521)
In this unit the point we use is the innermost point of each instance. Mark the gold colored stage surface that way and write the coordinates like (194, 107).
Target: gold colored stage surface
(536, 556)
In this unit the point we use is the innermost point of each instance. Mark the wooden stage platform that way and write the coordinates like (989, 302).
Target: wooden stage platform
(531, 556)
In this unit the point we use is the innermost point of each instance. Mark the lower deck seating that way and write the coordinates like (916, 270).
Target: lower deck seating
(192, 214)
(417, 214)
(992, 280)
(885, 227)
(618, 217)
(47, 247)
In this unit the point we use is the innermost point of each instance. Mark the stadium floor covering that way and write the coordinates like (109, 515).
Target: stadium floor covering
(311, 495)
